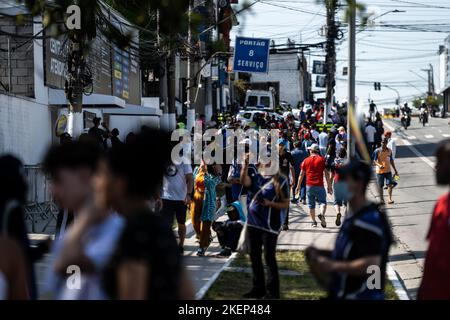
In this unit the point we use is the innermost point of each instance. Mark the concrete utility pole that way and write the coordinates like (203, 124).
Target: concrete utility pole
(351, 75)
(330, 59)
(163, 100)
(189, 105)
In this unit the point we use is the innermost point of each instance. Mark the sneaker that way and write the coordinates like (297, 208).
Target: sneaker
(338, 219)
(253, 294)
(201, 252)
(225, 253)
(285, 227)
(314, 224)
(323, 223)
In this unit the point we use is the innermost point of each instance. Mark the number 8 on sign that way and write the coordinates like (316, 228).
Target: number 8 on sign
(251, 53)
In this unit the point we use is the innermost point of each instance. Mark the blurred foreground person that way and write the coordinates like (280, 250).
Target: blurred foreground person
(436, 278)
(13, 274)
(146, 263)
(268, 201)
(13, 190)
(356, 268)
(91, 239)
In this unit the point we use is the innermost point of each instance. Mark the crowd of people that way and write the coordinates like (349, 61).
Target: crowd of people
(126, 199)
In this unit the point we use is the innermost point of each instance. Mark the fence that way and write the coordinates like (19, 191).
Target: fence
(40, 210)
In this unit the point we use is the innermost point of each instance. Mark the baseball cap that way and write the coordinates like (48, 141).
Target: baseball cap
(282, 141)
(313, 147)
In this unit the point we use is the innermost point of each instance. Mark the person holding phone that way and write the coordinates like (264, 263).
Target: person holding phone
(268, 200)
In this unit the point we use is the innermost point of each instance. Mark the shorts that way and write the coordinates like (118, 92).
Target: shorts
(339, 196)
(316, 194)
(174, 209)
(381, 177)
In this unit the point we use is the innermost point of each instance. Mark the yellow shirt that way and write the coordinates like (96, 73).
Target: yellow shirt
(383, 158)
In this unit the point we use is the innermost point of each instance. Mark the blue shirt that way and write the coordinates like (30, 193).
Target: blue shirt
(235, 172)
(299, 155)
(259, 216)
(366, 233)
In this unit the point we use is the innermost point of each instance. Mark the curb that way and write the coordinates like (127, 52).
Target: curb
(399, 287)
(201, 293)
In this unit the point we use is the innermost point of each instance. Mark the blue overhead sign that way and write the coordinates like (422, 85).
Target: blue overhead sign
(251, 55)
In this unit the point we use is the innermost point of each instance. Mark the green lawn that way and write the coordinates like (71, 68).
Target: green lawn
(232, 285)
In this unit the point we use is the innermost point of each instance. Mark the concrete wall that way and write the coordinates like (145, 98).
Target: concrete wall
(22, 69)
(284, 68)
(25, 128)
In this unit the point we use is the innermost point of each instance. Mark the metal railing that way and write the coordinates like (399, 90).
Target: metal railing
(40, 210)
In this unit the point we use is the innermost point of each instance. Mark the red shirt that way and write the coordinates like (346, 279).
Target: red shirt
(314, 166)
(436, 276)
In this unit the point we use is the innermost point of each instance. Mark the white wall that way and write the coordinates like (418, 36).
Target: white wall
(25, 128)
(283, 68)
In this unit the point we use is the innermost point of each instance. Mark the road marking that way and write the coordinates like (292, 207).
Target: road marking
(414, 149)
(429, 136)
(446, 135)
(419, 154)
(411, 137)
(440, 131)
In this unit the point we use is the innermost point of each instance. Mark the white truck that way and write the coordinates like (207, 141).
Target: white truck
(263, 100)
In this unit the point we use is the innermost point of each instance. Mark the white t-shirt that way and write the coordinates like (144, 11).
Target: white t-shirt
(100, 244)
(323, 140)
(370, 133)
(174, 184)
(391, 145)
(315, 134)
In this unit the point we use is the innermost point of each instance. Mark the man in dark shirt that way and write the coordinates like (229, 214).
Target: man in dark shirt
(98, 133)
(286, 163)
(356, 268)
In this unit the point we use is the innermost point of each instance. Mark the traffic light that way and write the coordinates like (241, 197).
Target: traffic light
(377, 86)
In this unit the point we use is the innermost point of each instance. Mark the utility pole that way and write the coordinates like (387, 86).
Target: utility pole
(330, 59)
(351, 75)
(189, 105)
(163, 101)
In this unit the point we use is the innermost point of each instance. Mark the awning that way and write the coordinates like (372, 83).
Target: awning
(97, 101)
(133, 110)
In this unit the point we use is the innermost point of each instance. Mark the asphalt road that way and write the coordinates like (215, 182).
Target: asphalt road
(415, 195)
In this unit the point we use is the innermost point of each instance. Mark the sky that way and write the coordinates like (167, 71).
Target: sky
(393, 55)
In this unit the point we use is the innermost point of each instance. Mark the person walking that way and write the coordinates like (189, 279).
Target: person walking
(299, 155)
(384, 161)
(176, 196)
(286, 163)
(391, 143)
(203, 205)
(313, 169)
(268, 202)
(436, 279)
(370, 132)
(323, 141)
(363, 242)
(339, 189)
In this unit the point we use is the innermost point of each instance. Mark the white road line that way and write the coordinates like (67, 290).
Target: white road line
(419, 154)
(411, 137)
(440, 131)
(446, 135)
(429, 136)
